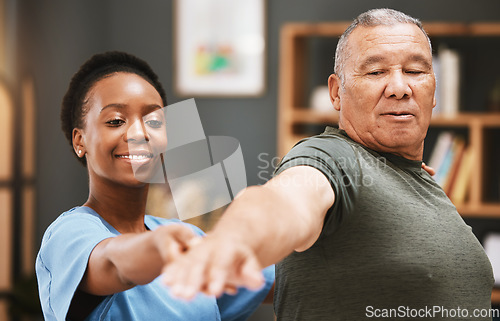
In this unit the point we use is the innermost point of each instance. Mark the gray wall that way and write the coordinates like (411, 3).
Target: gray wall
(56, 36)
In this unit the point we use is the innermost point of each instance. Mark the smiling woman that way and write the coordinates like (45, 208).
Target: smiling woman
(121, 126)
(97, 259)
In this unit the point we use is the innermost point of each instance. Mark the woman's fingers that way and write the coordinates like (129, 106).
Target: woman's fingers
(213, 267)
(428, 169)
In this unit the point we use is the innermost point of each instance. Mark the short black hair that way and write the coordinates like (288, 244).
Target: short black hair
(94, 69)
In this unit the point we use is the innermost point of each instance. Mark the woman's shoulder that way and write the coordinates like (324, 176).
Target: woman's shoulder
(76, 220)
(78, 212)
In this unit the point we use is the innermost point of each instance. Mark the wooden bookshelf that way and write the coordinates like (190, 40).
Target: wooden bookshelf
(495, 296)
(474, 122)
(293, 53)
(294, 115)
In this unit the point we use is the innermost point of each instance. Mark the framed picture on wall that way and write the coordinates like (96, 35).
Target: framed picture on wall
(219, 47)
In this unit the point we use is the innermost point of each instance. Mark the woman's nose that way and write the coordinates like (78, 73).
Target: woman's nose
(137, 132)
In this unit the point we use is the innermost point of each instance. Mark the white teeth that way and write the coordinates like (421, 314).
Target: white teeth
(134, 157)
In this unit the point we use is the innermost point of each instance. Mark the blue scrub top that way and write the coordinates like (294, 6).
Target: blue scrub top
(63, 257)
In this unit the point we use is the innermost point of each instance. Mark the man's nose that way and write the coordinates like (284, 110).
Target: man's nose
(398, 86)
(137, 132)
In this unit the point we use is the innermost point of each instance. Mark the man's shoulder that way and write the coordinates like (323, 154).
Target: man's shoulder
(333, 142)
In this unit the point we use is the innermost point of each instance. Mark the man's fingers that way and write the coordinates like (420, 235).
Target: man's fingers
(251, 273)
(231, 289)
(186, 275)
(193, 280)
(212, 267)
(168, 274)
(177, 278)
(217, 279)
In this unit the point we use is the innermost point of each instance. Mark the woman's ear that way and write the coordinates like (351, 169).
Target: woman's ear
(333, 88)
(78, 143)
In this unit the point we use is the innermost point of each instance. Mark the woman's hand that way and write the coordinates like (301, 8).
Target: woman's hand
(172, 240)
(213, 266)
(119, 263)
(428, 169)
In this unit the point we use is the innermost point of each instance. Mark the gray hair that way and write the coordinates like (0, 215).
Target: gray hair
(371, 18)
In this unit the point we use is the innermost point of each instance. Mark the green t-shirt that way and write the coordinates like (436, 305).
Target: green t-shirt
(392, 246)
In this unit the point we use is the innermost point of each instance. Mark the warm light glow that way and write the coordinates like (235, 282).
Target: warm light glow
(28, 230)
(5, 238)
(28, 94)
(6, 134)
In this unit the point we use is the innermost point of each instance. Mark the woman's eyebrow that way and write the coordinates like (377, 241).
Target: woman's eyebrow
(112, 105)
(151, 107)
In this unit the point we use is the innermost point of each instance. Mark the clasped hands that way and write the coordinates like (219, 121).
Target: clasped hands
(211, 265)
(215, 264)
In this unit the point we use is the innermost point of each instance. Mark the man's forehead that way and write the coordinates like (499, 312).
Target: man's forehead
(401, 32)
(369, 61)
(387, 37)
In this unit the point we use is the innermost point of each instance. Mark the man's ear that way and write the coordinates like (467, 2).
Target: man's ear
(78, 143)
(333, 88)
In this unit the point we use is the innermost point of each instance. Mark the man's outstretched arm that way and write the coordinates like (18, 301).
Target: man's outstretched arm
(260, 227)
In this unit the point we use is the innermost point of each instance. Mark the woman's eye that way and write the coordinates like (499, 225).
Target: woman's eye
(375, 73)
(115, 122)
(154, 123)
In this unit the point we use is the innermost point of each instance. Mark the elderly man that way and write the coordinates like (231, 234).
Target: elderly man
(358, 227)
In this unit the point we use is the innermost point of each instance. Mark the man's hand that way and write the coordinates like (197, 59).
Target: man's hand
(213, 266)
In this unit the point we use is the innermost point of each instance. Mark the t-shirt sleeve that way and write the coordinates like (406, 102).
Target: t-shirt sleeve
(62, 260)
(240, 306)
(336, 159)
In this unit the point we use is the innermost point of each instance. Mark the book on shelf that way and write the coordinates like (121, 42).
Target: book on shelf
(459, 149)
(491, 244)
(443, 170)
(443, 144)
(453, 161)
(436, 65)
(464, 174)
(446, 65)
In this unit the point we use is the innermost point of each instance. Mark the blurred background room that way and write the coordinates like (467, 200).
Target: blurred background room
(257, 70)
